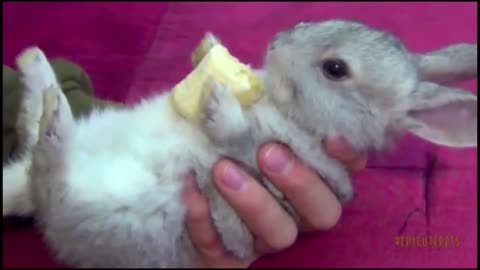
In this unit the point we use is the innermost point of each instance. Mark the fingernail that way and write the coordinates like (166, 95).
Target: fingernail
(233, 177)
(277, 159)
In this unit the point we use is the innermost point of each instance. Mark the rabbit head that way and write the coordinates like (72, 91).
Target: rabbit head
(345, 77)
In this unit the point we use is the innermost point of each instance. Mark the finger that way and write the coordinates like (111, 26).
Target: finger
(198, 222)
(256, 207)
(358, 164)
(308, 194)
(340, 149)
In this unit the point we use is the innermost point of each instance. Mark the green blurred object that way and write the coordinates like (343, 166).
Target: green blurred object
(76, 85)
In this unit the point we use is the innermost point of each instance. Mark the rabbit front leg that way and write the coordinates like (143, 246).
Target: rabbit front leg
(307, 148)
(224, 118)
(330, 170)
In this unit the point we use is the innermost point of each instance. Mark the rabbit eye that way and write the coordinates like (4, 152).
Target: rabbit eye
(335, 69)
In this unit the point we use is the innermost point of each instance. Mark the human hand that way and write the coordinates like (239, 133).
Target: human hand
(317, 206)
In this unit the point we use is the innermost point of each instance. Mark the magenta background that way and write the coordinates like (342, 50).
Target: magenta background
(133, 49)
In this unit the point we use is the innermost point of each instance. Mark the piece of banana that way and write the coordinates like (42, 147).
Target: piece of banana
(212, 61)
(203, 48)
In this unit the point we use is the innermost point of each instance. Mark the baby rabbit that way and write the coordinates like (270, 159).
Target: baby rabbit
(105, 189)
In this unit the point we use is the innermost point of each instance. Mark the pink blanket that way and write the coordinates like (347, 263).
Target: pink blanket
(133, 49)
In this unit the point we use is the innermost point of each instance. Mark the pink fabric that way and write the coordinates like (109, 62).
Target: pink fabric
(133, 49)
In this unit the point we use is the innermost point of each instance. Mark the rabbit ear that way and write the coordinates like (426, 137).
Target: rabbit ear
(449, 65)
(442, 115)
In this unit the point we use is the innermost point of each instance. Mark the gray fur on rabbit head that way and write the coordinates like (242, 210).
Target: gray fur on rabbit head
(344, 78)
